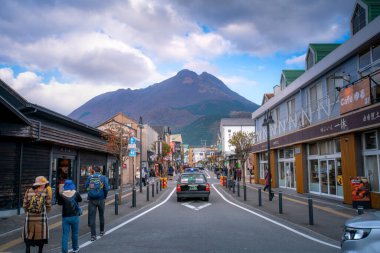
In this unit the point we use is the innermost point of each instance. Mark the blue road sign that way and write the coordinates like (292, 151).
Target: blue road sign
(132, 152)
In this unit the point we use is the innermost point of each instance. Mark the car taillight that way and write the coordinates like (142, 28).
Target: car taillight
(207, 187)
(178, 187)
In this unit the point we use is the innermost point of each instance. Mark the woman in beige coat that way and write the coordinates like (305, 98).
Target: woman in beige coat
(37, 202)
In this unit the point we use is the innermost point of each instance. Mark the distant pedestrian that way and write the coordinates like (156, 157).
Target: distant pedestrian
(266, 179)
(238, 174)
(71, 211)
(97, 188)
(36, 204)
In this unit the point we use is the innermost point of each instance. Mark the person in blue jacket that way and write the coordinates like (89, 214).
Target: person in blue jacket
(97, 190)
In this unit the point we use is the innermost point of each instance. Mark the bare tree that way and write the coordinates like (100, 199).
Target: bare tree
(117, 135)
(243, 143)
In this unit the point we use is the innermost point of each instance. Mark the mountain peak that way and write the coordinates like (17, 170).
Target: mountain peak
(187, 73)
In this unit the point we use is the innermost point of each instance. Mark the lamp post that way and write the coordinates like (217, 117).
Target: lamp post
(267, 121)
(141, 126)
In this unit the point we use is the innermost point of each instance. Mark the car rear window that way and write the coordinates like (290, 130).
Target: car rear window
(193, 178)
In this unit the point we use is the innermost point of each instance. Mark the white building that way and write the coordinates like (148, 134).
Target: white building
(229, 126)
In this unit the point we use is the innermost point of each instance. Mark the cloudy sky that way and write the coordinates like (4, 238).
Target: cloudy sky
(59, 54)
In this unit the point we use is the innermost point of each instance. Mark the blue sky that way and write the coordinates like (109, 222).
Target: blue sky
(60, 54)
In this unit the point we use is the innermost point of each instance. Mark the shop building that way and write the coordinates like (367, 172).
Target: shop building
(35, 141)
(324, 122)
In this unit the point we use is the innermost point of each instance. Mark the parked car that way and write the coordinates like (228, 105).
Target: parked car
(193, 185)
(362, 234)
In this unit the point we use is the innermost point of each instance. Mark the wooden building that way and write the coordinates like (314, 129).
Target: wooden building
(35, 141)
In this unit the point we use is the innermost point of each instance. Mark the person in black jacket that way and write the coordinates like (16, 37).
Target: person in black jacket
(71, 211)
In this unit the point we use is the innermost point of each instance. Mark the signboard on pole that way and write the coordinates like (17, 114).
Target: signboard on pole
(132, 152)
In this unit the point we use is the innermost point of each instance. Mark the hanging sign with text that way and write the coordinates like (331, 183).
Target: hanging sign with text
(355, 96)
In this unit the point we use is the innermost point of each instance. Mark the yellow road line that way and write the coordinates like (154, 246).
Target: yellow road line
(17, 241)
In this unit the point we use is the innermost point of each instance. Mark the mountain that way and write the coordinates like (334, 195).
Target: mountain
(189, 103)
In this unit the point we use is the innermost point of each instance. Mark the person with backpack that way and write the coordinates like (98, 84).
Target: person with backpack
(71, 211)
(36, 204)
(97, 190)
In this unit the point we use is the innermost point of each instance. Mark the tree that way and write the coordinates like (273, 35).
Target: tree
(117, 135)
(243, 143)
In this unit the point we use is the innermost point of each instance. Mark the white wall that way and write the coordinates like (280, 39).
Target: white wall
(227, 133)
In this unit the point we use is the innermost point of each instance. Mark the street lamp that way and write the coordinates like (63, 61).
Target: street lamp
(267, 121)
(141, 126)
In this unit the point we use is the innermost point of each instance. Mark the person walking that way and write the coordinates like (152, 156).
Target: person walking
(36, 204)
(97, 189)
(71, 211)
(266, 179)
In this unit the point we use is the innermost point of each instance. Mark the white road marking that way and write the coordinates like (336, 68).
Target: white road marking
(277, 223)
(208, 175)
(129, 221)
(196, 208)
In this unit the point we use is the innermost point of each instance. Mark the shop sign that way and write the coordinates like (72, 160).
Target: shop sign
(360, 191)
(355, 96)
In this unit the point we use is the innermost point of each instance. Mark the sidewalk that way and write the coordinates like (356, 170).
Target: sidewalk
(329, 215)
(11, 228)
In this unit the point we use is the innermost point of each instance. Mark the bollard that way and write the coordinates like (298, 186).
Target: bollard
(233, 186)
(311, 218)
(360, 210)
(238, 188)
(156, 188)
(147, 192)
(134, 198)
(153, 190)
(116, 203)
(260, 197)
(160, 185)
(280, 201)
(245, 192)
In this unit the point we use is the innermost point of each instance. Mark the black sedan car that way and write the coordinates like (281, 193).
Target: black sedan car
(192, 185)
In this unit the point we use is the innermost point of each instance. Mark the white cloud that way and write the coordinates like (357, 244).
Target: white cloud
(201, 66)
(296, 60)
(56, 96)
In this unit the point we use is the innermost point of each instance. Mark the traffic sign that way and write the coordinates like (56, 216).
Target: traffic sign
(132, 152)
(131, 146)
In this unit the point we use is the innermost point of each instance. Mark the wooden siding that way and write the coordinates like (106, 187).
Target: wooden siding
(301, 170)
(59, 136)
(35, 162)
(349, 164)
(9, 180)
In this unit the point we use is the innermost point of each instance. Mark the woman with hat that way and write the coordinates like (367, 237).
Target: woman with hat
(36, 204)
(71, 211)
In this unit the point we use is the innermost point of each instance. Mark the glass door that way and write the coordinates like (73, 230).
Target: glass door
(324, 176)
(290, 175)
(332, 177)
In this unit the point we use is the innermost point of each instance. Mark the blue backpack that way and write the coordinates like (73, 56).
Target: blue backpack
(95, 187)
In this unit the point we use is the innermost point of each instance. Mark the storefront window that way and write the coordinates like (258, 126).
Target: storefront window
(337, 145)
(370, 140)
(339, 179)
(280, 153)
(314, 176)
(372, 172)
(289, 153)
(313, 149)
(263, 164)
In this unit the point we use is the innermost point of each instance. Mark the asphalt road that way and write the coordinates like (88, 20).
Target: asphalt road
(220, 225)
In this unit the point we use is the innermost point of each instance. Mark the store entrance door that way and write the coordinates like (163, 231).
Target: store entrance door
(327, 170)
(62, 169)
(290, 175)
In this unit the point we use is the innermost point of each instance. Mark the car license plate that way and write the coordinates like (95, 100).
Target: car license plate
(193, 187)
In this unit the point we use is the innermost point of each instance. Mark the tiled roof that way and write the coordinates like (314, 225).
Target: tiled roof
(321, 50)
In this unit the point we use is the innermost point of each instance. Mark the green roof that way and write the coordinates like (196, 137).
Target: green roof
(291, 75)
(321, 50)
(373, 9)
